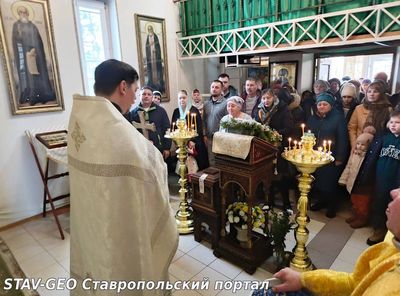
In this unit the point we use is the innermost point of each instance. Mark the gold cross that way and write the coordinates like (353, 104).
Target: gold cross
(78, 136)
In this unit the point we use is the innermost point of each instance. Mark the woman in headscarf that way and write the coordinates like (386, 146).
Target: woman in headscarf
(328, 123)
(374, 111)
(185, 109)
(273, 111)
(234, 107)
(348, 100)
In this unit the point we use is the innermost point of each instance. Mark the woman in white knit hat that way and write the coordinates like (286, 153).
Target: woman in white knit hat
(234, 107)
(349, 100)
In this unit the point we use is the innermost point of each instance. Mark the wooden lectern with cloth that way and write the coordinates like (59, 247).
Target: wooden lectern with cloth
(49, 150)
(247, 162)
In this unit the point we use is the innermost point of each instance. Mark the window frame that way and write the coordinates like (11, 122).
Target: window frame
(102, 6)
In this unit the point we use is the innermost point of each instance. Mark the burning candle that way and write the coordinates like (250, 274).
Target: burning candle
(188, 119)
(193, 121)
(302, 127)
(295, 144)
(300, 144)
(324, 144)
(289, 140)
(329, 146)
(173, 126)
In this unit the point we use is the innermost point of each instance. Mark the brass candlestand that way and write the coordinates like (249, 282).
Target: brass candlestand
(306, 160)
(181, 136)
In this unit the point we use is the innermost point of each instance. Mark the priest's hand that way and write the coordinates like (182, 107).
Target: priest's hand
(166, 154)
(290, 280)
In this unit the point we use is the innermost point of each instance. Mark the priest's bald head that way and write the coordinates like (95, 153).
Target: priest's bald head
(116, 81)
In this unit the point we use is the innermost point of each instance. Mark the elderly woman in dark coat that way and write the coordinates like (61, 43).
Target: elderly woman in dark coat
(274, 112)
(329, 124)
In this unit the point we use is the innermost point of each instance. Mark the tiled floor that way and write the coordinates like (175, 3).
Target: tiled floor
(41, 253)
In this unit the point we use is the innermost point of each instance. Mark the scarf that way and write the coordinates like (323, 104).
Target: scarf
(378, 115)
(198, 105)
(183, 113)
(265, 113)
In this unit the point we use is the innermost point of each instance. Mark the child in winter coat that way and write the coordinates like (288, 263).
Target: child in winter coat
(191, 162)
(360, 200)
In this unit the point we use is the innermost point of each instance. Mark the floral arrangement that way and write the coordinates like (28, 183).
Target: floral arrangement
(237, 214)
(272, 223)
(279, 224)
(252, 128)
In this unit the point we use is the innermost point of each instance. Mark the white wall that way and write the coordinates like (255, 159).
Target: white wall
(20, 183)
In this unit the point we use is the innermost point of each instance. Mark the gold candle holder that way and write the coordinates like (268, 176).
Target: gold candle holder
(306, 160)
(181, 136)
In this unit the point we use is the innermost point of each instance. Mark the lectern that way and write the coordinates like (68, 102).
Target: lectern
(246, 162)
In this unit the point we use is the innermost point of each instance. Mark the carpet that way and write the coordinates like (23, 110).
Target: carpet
(9, 268)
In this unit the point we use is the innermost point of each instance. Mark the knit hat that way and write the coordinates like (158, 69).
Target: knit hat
(366, 81)
(349, 90)
(346, 78)
(322, 82)
(236, 100)
(326, 97)
(334, 80)
(157, 93)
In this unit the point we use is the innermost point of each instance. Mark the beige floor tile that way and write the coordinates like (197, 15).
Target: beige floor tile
(44, 232)
(203, 254)
(172, 279)
(60, 252)
(178, 255)
(318, 216)
(358, 241)
(53, 271)
(228, 269)
(212, 276)
(28, 251)
(315, 226)
(44, 224)
(363, 233)
(65, 264)
(290, 235)
(349, 254)
(185, 267)
(36, 263)
(187, 243)
(53, 240)
(340, 265)
(290, 244)
(11, 232)
(20, 240)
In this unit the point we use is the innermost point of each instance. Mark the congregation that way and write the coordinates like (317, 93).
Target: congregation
(359, 116)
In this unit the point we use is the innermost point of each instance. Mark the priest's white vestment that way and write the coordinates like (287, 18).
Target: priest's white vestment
(122, 225)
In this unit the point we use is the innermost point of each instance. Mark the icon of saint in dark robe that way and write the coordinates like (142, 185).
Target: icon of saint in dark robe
(34, 83)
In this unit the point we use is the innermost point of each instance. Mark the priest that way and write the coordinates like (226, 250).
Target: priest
(122, 225)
